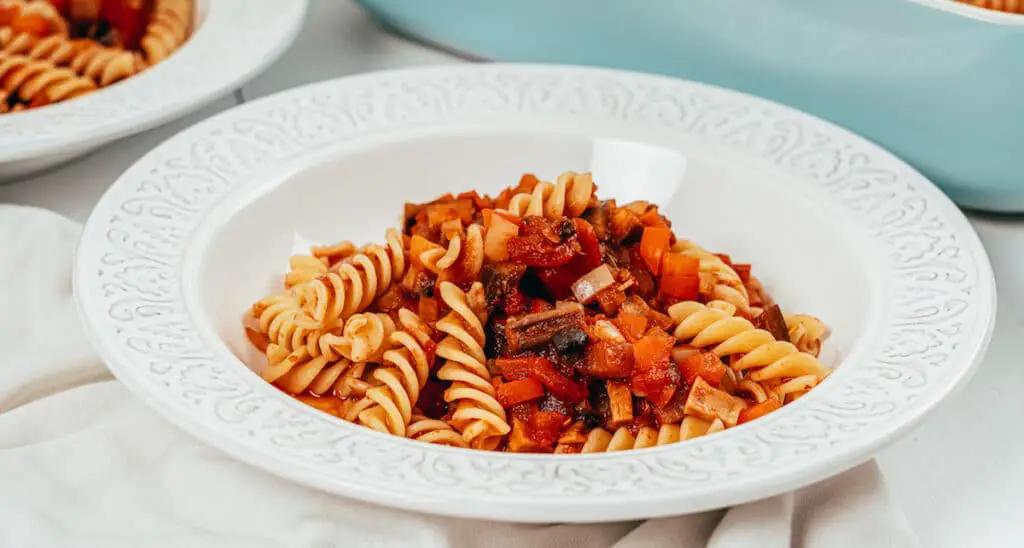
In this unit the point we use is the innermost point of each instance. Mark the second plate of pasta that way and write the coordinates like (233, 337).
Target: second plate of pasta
(534, 293)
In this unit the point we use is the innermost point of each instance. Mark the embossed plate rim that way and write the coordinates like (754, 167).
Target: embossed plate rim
(532, 488)
(236, 40)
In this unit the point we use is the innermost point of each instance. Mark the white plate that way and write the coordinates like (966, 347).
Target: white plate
(198, 229)
(234, 40)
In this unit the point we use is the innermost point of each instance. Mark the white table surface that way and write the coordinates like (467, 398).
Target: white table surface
(959, 477)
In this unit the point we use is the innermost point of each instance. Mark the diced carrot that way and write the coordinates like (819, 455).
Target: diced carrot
(652, 218)
(653, 245)
(680, 276)
(31, 23)
(705, 365)
(417, 245)
(759, 410)
(609, 360)
(743, 270)
(632, 326)
(515, 392)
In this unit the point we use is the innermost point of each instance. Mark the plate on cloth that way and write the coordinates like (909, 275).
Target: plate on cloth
(201, 227)
(233, 40)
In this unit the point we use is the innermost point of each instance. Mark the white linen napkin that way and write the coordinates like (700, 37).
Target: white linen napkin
(85, 463)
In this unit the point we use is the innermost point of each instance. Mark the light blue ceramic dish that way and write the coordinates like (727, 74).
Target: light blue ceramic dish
(939, 83)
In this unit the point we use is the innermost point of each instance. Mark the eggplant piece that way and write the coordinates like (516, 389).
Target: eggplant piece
(501, 280)
(534, 329)
(772, 321)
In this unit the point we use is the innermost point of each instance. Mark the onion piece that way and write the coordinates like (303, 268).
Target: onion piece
(606, 330)
(498, 234)
(592, 283)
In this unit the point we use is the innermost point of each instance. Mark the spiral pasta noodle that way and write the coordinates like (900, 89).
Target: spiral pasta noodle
(169, 26)
(351, 285)
(600, 440)
(728, 335)
(277, 317)
(40, 83)
(478, 415)
(728, 285)
(404, 369)
(465, 250)
(806, 332)
(435, 431)
(568, 197)
(103, 65)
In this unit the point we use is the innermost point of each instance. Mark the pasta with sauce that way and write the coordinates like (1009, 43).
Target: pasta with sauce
(541, 320)
(58, 51)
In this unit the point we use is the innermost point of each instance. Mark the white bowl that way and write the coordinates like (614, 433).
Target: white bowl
(234, 40)
(202, 226)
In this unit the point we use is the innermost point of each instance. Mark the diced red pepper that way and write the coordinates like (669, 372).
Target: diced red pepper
(653, 245)
(516, 392)
(704, 365)
(541, 369)
(609, 360)
(759, 410)
(680, 276)
(545, 427)
(655, 376)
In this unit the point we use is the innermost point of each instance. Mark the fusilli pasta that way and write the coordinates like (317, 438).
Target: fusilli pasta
(352, 284)
(478, 415)
(563, 324)
(40, 83)
(99, 51)
(168, 28)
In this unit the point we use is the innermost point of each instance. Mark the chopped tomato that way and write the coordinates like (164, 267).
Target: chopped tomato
(540, 305)
(680, 277)
(743, 270)
(523, 411)
(431, 400)
(430, 350)
(545, 427)
(478, 201)
(704, 365)
(632, 326)
(515, 303)
(759, 410)
(725, 258)
(558, 281)
(609, 360)
(515, 392)
(541, 369)
(653, 245)
(535, 250)
(129, 18)
(655, 376)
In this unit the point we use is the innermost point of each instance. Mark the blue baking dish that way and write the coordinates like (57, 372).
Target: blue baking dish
(937, 82)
